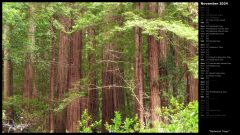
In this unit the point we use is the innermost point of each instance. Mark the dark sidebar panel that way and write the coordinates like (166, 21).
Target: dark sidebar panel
(215, 67)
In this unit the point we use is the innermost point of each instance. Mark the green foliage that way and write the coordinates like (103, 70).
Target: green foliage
(177, 118)
(176, 27)
(87, 20)
(15, 101)
(12, 12)
(4, 117)
(152, 26)
(130, 125)
(69, 97)
(193, 66)
(117, 121)
(182, 10)
(18, 103)
(84, 126)
(31, 110)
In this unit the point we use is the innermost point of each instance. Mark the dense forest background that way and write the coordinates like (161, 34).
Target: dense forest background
(100, 67)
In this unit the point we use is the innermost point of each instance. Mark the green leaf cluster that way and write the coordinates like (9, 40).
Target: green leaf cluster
(130, 125)
(86, 125)
(177, 118)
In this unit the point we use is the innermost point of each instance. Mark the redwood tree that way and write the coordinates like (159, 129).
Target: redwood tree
(73, 109)
(28, 70)
(7, 69)
(92, 92)
(107, 92)
(192, 83)
(52, 81)
(162, 55)
(112, 77)
(62, 77)
(139, 89)
(155, 101)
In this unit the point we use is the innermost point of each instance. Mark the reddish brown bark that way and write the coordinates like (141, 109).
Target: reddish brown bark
(155, 101)
(92, 92)
(28, 70)
(107, 90)
(35, 87)
(139, 89)
(73, 110)
(113, 94)
(162, 49)
(118, 72)
(27, 87)
(192, 83)
(7, 70)
(52, 81)
(63, 55)
(112, 77)
(162, 55)
(118, 91)
(176, 54)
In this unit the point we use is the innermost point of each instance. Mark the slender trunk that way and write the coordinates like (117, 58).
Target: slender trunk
(7, 70)
(153, 72)
(52, 81)
(139, 82)
(112, 78)
(28, 71)
(113, 93)
(35, 88)
(162, 49)
(92, 92)
(118, 76)
(176, 54)
(107, 91)
(118, 73)
(192, 87)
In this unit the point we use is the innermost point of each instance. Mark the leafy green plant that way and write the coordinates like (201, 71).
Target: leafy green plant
(193, 66)
(4, 117)
(30, 111)
(70, 97)
(130, 125)
(86, 125)
(177, 118)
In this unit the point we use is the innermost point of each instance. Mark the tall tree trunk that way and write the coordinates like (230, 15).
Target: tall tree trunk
(139, 82)
(35, 87)
(92, 92)
(73, 109)
(62, 78)
(118, 72)
(107, 90)
(28, 71)
(162, 49)
(118, 76)
(52, 81)
(113, 94)
(112, 78)
(192, 86)
(176, 54)
(192, 83)
(155, 101)
(7, 70)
